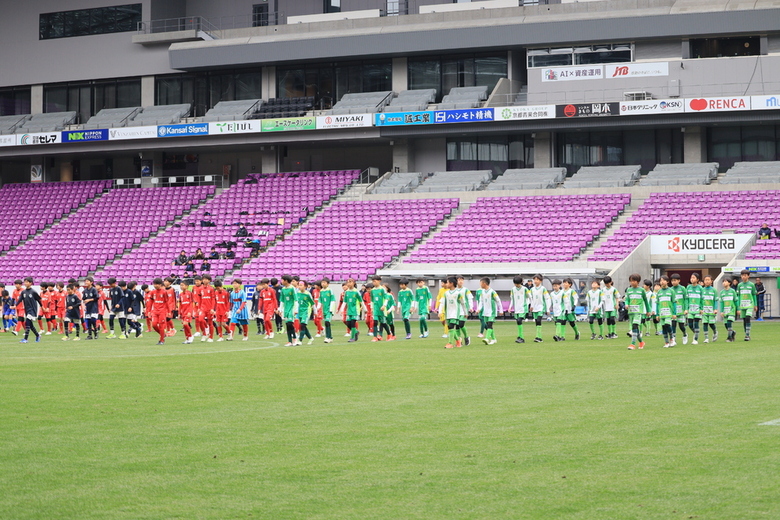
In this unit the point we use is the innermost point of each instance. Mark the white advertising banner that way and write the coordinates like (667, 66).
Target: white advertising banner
(717, 104)
(573, 73)
(39, 139)
(524, 112)
(235, 127)
(636, 70)
(652, 106)
(8, 140)
(697, 244)
(765, 102)
(132, 132)
(345, 121)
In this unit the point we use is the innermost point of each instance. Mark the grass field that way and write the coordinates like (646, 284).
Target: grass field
(577, 430)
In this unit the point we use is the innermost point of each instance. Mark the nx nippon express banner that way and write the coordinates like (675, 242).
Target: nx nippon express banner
(697, 244)
(83, 136)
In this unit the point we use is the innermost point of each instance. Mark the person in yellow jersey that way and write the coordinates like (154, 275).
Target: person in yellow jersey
(437, 307)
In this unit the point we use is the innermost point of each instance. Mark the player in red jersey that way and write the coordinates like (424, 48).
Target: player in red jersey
(16, 295)
(267, 305)
(369, 314)
(147, 305)
(196, 312)
(221, 308)
(54, 303)
(44, 309)
(159, 309)
(167, 285)
(186, 303)
(207, 305)
(315, 295)
(101, 306)
(344, 314)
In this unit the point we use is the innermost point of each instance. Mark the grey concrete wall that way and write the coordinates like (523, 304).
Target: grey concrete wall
(737, 76)
(26, 60)
(429, 155)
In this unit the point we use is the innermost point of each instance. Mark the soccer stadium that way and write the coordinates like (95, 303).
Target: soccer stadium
(382, 259)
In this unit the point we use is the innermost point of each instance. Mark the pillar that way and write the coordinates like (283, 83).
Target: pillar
(36, 99)
(694, 144)
(401, 155)
(400, 74)
(147, 91)
(269, 82)
(543, 150)
(66, 171)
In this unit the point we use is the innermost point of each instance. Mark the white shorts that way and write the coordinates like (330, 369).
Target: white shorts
(118, 314)
(131, 316)
(92, 316)
(31, 317)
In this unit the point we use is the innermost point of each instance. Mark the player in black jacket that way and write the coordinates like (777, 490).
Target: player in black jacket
(32, 302)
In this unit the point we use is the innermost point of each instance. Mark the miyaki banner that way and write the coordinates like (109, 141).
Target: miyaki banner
(697, 244)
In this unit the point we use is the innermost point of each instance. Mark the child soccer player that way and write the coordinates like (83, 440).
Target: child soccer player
(268, 306)
(116, 296)
(206, 308)
(681, 295)
(239, 310)
(305, 306)
(185, 310)
(405, 301)
(709, 307)
(468, 305)
(694, 292)
(728, 308)
(519, 300)
(748, 301)
(378, 297)
(609, 305)
(147, 305)
(31, 301)
(569, 303)
(648, 285)
(638, 307)
(159, 309)
(72, 313)
(136, 308)
(452, 308)
(422, 296)
(327, 303)
(289, 308)
(437, 306)
(387, 310)
(595, 299)
(43, 311)
(556, 297)
(17, 297)
(351, 307)
(59, 309)
(221, 309)
(488, 307)
(8, 312)
(540, 304)
(317, 312)
(91, 301)
(665, 300)
(197, 281)
(168, 286)
(257, 311)
(369, 315)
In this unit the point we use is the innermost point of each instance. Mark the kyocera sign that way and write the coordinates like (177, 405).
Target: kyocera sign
(697, 244)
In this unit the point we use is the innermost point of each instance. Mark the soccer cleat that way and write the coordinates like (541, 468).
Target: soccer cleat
(715, 337)
(641, 345)
(297, 343)
(694, 342)
(409, 336)
(351, 340)
(89, 338)
(123, 336)
(444, 336)
(327, 340)
(245, 338)
(186, 341)
(14, 333)
(288, 344)
(271, 336)
(458, 344)
(318, 335)
(230, 337)
(196, 335)
(673, 343)
(311, 341)
(161, 342)
(600, 337)
(38, 338)
(347, 335)
(592, 337)
(357, 335)
(23, 340)
(138, 334)
(480, 335)
(657, 333)
(628, 334)
(759, 319)
(666, 345)
(111, 336)
(631, 347)
(448, 345)
(425, 335)
(77, 338)
(685, 339)
(486, 341)
(66, 338)
(577, 336)
(520, 340)
(493, 342)
(706, 340)
(203, 339)
(390, 338)
(747, 338)
(538, 340)
(555, 338)
(468, 341)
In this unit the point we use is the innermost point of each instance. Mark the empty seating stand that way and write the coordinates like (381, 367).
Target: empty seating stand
(161, 115)
(268, 204)
(522, 229)
(455, 181)
(680, 174)
(362, 103)
(412, 100)
(752, 173)
(233, 110)
(528, 179)
(112, 118)
(463, 98)
(51, 122)
(401, 182)
(325, 245)
(603, 177)
(9, 124)
(284, 107)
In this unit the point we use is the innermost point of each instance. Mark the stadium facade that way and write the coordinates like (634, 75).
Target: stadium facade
(568, 84)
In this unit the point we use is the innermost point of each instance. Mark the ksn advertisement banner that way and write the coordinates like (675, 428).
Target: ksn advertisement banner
(652, 106)
(697, 244)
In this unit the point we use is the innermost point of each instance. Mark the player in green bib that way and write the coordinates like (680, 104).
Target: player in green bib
(728, 308)
(406, 302)
(288, 301)
(594, 299)
(609, 305)
(648, 286)
(378, 296)
(709, 309)
(694, 291)
(477, 295)
(541, 304)
(488, 307)
(327, 303)
(665, 301)
(351, 307)
(388, 309)
(748, 301)
(452, 307)
(570, 298)
(681, 295)
(638, 308)
(468, 305)
(305, 306)
(423, 299)
(519, 300)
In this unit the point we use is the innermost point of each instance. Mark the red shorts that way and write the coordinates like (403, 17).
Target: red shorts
(61, 314)
(159, 317)
(221, 318)
(186, 317)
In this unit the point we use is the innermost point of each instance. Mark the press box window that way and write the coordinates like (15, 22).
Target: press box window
(723, 47)
(83, 22)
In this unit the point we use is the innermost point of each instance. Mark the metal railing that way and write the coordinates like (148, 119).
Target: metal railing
(167, 181)
(184, 23)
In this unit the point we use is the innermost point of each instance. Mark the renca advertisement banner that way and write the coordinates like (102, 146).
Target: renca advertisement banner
(717, 104)
(652, 106)
(39, 139)
(403, 118)
(134, 132)
(83, 136)
(183, 130)
(697, 244)
(471, 115)
(519, 113)
(235, 127)
(345, 121)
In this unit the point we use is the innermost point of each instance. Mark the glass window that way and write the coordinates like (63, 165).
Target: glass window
(494, 153)
(586, 55)
(447, 72)
(15, 101)
(424, 74)
(259, 15)
(727, 145)
(720, 47)
(82, 22)
(578, 149)
(332, 6)
(328, 82)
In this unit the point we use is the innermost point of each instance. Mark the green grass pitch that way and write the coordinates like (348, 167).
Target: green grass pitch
(584, 429)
